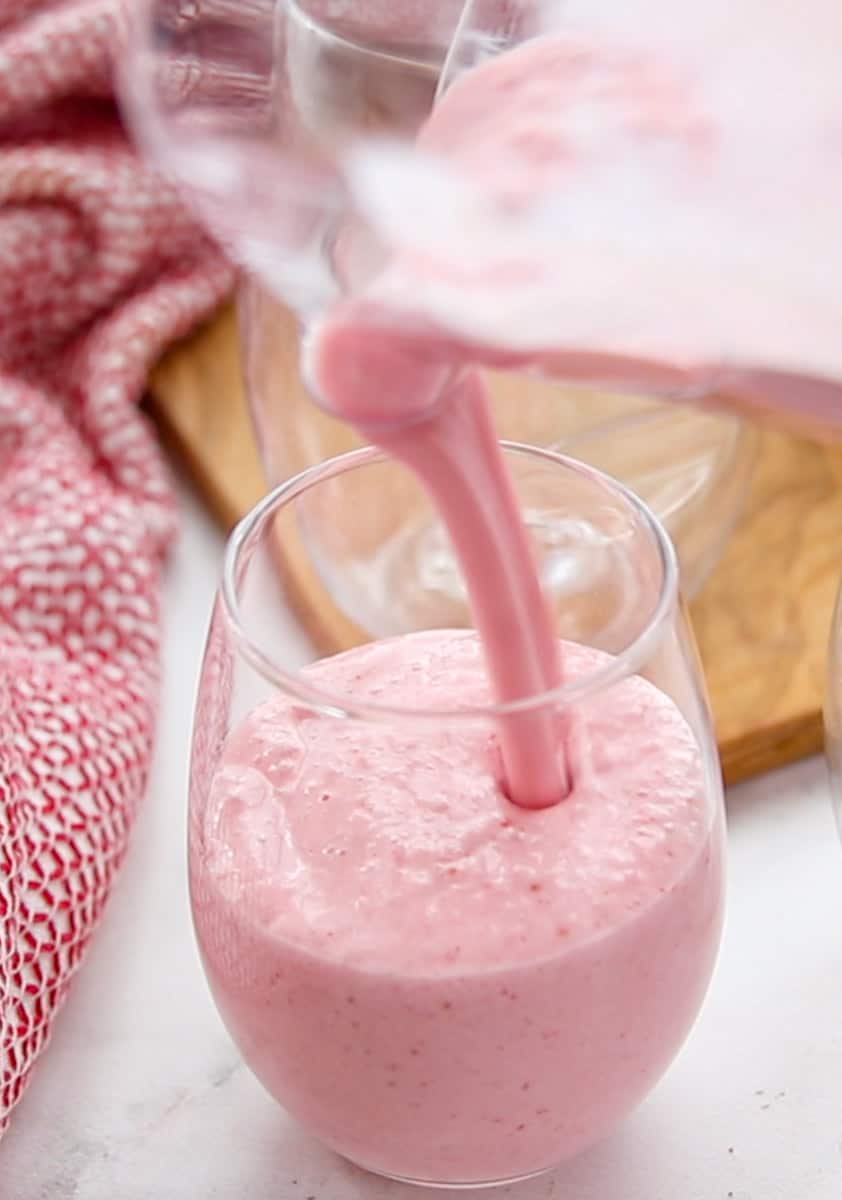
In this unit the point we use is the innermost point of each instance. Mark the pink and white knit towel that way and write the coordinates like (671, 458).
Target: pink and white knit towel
(99, 269)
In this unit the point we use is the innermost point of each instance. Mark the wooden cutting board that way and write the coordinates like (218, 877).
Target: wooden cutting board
(762, 620)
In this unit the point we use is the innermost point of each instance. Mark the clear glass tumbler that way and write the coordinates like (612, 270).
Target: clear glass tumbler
(443, 987)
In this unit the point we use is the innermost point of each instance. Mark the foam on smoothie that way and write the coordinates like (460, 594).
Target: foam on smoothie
(397, 851)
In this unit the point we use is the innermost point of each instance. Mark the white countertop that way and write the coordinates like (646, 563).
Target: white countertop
(141, 1096)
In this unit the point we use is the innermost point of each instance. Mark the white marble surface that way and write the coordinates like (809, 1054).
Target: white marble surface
(140, 1096)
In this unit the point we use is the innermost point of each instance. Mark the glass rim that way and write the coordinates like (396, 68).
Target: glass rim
(337, 704)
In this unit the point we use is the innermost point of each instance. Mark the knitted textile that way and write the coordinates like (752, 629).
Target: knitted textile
(100, 268)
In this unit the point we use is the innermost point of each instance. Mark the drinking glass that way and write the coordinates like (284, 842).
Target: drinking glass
(833, 712)
(432, 1066)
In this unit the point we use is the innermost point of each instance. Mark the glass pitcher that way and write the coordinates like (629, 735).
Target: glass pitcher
(637, 194)
(666, 218)
(252, 106)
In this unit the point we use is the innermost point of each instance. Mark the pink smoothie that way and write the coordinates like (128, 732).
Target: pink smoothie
(438, 422)
(441, 985)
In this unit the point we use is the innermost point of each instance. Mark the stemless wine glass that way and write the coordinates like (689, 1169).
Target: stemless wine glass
(429, 1012)
(833, 712)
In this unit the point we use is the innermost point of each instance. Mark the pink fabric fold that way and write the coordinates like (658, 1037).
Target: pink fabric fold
(100, 268)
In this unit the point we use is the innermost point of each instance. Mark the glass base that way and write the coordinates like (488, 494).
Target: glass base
(454, 1185)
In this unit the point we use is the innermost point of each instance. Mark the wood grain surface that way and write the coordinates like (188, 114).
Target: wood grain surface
(762, 620)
